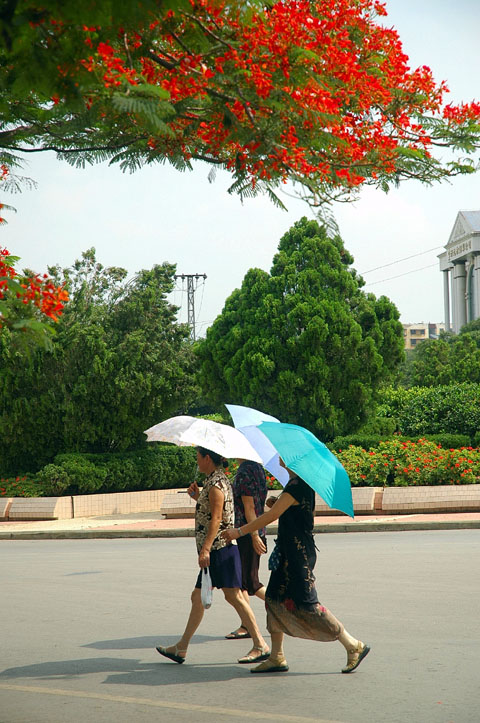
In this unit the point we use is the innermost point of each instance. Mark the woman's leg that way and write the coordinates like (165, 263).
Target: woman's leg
(234, 596)
(194, 620)
(276, 652)
(261, 592)
(276, 663)
(347, 640)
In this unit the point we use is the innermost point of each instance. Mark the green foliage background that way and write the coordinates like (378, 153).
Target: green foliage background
(119, 363)
(303, 343)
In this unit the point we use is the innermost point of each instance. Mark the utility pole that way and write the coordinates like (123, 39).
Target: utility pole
(191, 288)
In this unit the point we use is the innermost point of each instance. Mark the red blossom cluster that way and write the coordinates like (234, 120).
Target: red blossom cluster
(420, 462)
(20, 487)
(39, 291)
(360, 100)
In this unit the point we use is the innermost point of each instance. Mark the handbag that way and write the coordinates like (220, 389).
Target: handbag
(275, 558)
(207, 588)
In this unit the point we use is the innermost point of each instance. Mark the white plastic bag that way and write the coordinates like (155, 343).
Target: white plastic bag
(207, 589)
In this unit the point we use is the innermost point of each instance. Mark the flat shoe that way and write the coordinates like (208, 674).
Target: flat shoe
(171, 656)
(271, 666)
(355, 657)
(235, 635)
(264, 654)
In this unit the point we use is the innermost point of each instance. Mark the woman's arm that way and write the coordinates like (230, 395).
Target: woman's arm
(216, 499)
(283, 503)
(250, 515)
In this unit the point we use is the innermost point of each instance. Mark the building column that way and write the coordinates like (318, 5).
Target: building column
(468, 292)
(459, 289)
(476, 284)
(446, 298)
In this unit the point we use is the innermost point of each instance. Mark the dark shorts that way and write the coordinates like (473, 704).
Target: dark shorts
(225, 568)
(250, 562)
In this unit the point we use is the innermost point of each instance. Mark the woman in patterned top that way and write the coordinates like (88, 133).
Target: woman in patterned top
(249, 495)
(214, 514)
(291, 598)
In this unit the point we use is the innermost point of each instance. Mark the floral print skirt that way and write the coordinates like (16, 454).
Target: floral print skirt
(316, 623)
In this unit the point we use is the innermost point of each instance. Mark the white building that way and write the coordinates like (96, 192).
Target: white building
(460, 264)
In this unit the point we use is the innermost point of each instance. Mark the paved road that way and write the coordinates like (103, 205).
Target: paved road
(80, 619)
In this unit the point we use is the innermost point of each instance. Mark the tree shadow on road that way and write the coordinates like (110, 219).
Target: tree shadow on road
(130, 671)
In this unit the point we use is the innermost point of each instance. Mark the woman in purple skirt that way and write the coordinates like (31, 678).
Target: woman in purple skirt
(214, 514)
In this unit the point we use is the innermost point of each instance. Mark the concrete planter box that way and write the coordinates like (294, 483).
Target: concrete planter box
(444, 498)
(118, 503)
(40, 508)
(5, 504)
(178, 504)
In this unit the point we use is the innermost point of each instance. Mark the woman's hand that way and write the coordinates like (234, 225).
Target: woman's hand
(258, 545)
(230, 534)
(204, 557)
(193, 491)
(271, 501)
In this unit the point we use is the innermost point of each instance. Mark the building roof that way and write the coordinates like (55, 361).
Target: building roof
(473, 219)
(466, 223)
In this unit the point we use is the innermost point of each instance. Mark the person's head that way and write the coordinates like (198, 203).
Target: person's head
(207, 460)
(282, 464)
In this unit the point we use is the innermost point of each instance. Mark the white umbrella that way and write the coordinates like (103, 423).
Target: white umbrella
(246, 420)
(169, 431)
(192, 432)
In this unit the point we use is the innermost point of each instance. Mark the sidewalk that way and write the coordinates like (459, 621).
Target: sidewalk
(153, 524)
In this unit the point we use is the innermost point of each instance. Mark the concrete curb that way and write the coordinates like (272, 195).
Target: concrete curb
(375, 526)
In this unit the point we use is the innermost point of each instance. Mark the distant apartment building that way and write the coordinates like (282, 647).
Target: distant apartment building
(413, 334)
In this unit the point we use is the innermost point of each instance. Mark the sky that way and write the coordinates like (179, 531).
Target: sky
(158, 214)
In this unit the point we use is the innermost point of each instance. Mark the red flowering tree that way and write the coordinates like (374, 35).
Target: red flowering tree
(316, 92)
(28, 302)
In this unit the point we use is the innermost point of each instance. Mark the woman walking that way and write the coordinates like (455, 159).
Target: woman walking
(249, 495)
(214, 514)
(291, 599)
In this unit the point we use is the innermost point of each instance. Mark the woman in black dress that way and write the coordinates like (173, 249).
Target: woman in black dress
(291, 599)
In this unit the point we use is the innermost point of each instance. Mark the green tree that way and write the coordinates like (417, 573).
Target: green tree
(119, 363)
(304, 342)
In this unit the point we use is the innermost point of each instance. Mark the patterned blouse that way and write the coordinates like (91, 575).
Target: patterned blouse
(203, 514)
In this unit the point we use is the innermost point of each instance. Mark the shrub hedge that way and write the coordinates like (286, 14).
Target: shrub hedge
(418, 411)
(394, 462)
(155, 467)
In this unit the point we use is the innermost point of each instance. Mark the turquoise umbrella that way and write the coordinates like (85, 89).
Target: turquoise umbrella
(303, 453)
(246, 420)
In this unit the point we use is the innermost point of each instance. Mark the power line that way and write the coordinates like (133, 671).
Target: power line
(430, 266)
(392, 263)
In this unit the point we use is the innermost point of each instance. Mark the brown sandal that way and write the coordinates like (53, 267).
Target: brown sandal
(172, 656)
(272, 665)
(264, 654)
(355, 657)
